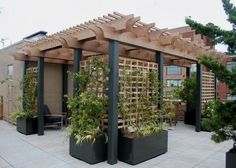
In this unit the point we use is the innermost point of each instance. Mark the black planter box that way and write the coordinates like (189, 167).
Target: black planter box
(27, 126)
(231, 159)
(91, 153)
(136, 150)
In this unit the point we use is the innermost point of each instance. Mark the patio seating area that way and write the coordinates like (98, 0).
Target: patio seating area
(186, 149)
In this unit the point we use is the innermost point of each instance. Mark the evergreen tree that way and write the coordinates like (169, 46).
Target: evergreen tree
(222, 119)
(218, 35)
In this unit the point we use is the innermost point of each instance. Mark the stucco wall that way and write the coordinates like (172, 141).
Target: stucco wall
(10, 90)
(53, 87)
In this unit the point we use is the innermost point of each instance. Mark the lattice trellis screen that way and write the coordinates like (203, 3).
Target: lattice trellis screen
(208, 87)
(135, 88)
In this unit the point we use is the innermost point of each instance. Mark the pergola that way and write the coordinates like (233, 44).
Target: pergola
(116, 35)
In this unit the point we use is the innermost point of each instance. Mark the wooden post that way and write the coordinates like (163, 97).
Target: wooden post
(113, 91)
(160, 61)
(40, 104)
(198, 98)
(76, 67)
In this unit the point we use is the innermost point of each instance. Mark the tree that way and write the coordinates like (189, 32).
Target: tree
(223, 115)
(218, 35)
(222, 119)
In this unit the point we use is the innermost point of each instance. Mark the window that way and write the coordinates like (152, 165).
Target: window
(10, 72)
(230, 65)
(230, 97)
(173, 83)
(173, 70)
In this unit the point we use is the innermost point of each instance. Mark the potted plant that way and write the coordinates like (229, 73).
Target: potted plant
(144, 136)
(26, 120)
(222, 120)
(88, 106)
(187, 93)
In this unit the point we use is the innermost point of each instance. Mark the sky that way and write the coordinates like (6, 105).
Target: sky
(20, 18)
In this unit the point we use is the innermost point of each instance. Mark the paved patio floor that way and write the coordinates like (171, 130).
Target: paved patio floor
(187, 149)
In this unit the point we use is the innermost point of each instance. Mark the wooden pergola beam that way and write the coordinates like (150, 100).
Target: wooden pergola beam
(128, 30)
(48, 60)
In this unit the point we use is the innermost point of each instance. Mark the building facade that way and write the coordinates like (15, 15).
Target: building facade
(12, 71)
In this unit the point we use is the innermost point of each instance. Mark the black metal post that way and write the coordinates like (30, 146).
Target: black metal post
(215, 88)
(160, 61)
(188, 72)
(64, 86)
(198, 98)
(113, 90)
(188, 75)
(40, 96)
(76, 67)
(26, 65)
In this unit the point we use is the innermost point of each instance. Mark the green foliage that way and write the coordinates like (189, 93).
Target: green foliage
(89, 104)
(230, 11)
(169, 108)
(28, 100)
(148, 119)
(187, 92)
(218, 35)
(208, 112)
(222, 121)
(222, 115)
(3, 81)
(221, 72)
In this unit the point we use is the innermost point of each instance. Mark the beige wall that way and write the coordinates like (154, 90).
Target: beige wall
(10, 90)
(53, 87)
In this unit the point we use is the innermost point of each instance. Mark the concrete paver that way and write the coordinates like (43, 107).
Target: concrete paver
(186, 148)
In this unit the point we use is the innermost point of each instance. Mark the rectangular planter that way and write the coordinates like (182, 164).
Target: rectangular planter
(230, 159)
(91, 153)
(27, 126)
(136, 150)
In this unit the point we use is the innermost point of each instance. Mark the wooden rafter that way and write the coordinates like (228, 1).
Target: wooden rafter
(134, 36)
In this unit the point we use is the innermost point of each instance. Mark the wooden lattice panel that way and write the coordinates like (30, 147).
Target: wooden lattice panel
(135, 88)
(208, 87)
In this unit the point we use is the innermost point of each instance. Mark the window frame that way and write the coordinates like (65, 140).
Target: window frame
(10, 76)
(170, 84)
(179, 72)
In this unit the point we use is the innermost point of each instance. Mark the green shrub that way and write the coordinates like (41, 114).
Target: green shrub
(89, 104)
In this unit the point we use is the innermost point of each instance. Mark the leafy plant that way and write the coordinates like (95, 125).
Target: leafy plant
(89, 104)
(169, 109)
(28, 100)
(187, 92)
(222, 119)
(208, 111)
(218, 35)
(148, 119)
(3, 81)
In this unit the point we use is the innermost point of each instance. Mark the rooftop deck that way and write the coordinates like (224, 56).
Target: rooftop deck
(187, 149)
